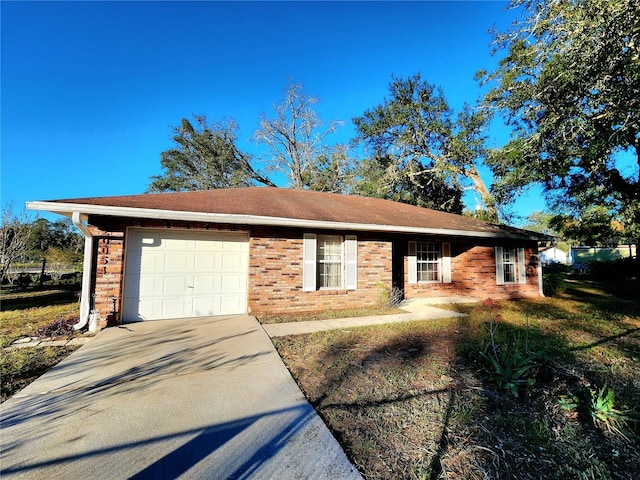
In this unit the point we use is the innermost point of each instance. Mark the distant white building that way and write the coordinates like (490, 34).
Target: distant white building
(553, 255)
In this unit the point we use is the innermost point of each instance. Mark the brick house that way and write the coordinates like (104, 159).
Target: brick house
(262, 250)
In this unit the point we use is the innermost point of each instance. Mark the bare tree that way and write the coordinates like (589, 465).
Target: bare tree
(295, 135)
(14, 238)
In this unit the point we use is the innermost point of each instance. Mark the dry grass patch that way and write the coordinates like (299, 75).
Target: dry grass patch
(20, 367)
(23, 313)
(327, 314)
(416, 400)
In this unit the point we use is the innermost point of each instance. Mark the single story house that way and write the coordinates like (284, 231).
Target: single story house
(263, 250)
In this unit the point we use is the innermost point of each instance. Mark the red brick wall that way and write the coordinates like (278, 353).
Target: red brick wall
(473, 273)
(108, 269)
(276, 268)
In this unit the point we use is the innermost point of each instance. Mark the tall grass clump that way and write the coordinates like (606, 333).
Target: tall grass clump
(509, 362)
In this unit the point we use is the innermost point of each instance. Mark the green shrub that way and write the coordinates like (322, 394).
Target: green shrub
(553, 284)
(616, 270)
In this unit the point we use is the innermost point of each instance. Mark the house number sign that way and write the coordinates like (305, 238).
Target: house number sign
(103, 255)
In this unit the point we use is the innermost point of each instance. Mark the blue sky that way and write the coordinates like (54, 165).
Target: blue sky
(90, 90)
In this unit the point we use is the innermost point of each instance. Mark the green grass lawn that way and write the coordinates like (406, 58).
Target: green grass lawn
(23, 313)
(418, 400)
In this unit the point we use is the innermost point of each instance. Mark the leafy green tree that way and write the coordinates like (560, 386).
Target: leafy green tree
(568, 86)
(295, 136)
(333, 172)
(418, 140)
(204, 157)
(61, 234)
(414, 186)
(594, 227)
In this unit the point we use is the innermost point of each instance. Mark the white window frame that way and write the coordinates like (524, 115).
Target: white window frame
(311, 261)
(429, 267)
(322, 261)
(514, 257)
(443, 262)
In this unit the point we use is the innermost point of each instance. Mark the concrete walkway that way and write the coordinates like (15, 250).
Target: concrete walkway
(205, 398)
(417, 309)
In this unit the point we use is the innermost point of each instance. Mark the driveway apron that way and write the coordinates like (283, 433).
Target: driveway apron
(204, 398)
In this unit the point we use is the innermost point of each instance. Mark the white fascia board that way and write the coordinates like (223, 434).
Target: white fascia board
(67, 209)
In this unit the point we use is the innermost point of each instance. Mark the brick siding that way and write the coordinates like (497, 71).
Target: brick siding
(108, 251)
(276, 268)
(473, 274)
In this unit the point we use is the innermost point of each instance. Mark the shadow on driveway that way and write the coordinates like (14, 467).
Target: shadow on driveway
(194, 398)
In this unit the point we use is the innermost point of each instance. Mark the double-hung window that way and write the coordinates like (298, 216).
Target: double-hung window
(330, 262)
(428, 258)
(510, 266)
(429, 262)
(329, 258)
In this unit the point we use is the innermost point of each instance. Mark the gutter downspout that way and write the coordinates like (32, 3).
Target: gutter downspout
(85, 298)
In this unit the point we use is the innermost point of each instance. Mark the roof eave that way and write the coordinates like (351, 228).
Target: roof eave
(67, 209)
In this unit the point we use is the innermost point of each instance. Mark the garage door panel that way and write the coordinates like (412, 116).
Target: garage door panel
(173, 243)
(177, 274)
(150, 262)
(178, 262)
(231, 283)
(176, 284)
(149, 309)
(206, 285)
(207, 262)
(176, 307)
(212, 246)
(148, 285)
(206, 306)
(230, 304)
(233, 262)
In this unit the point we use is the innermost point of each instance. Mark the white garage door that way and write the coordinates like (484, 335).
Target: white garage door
(178, 274)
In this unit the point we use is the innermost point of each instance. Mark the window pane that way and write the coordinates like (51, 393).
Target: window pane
(428, 258)
(428, 272)
(509, 274)
(509, 265)
(330, 275)
(329, 261)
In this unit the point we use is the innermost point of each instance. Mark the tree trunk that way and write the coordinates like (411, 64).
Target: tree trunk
(480, 187)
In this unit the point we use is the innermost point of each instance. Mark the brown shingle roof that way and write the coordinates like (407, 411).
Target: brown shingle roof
(279, 203)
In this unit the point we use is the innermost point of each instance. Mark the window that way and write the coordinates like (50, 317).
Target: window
(330, 262)
(329, 258)
(428, 258)
(510, 266)
(429, 262)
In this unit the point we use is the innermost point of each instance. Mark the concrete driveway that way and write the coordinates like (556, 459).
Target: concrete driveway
(196, 398)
